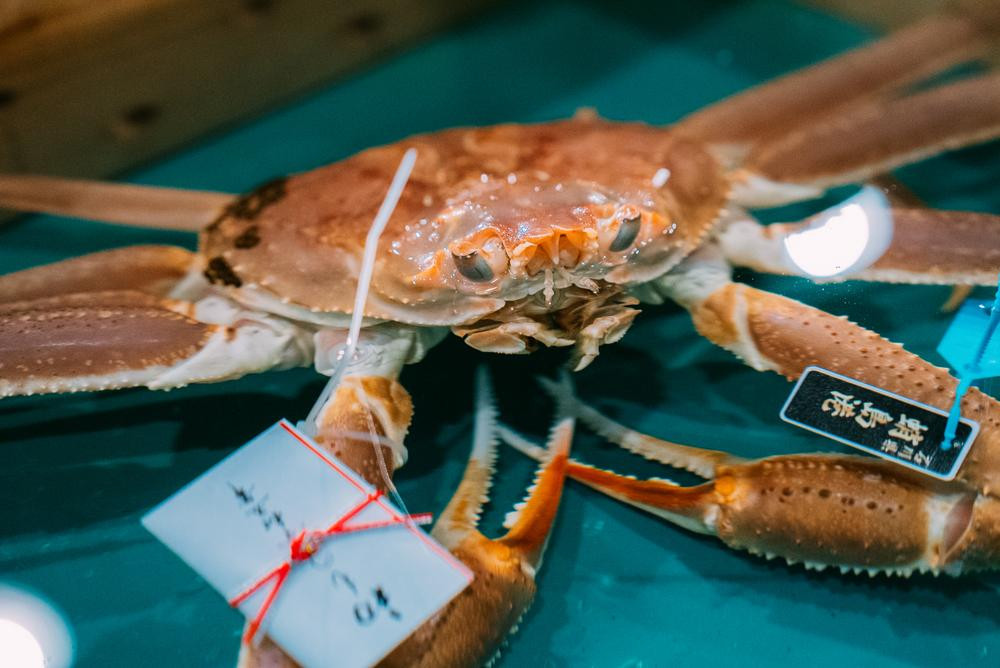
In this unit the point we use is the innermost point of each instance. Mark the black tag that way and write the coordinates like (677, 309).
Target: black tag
(879, 422)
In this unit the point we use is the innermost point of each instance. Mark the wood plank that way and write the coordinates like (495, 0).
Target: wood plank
(92, 88)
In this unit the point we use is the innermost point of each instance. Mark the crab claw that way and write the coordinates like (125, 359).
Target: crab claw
(470, 630)
(856, 513)
(689, 507)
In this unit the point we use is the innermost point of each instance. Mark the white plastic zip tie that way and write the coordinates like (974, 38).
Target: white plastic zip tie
(385, 211)
(364, 282)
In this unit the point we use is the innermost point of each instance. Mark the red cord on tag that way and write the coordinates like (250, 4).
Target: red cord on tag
(304, 546)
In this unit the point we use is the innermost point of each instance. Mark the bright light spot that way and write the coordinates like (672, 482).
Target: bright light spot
(32, 633)
(18, 647)
(661, 177)
(831, 247)
(844, 239)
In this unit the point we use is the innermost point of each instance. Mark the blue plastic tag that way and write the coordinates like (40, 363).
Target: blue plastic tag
(881, 423)
(971, 349)
(962, 340)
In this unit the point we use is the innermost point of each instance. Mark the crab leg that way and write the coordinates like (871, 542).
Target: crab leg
(820, 510)
(110, 340)
(856, 513)
(869, 140)
(913, 53)
(928, 246)
(362, 407)
(143, 206)
(154, 270)
(471, 628)
(774, 333)
(696, 460)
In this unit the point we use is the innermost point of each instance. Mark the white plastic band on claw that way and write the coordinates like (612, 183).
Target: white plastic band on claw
(844, 239)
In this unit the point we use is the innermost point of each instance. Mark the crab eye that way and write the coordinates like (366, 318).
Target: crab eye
(628, 230)
(473, 266)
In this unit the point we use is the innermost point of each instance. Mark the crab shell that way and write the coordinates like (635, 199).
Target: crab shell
(529, 191)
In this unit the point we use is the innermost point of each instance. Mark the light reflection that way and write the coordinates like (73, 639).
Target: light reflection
(32, 633)
(18, 647)
(844, 239)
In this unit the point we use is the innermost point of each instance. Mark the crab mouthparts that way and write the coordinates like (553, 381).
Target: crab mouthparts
(560, 249)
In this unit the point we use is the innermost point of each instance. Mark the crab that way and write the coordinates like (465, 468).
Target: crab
(515, 236)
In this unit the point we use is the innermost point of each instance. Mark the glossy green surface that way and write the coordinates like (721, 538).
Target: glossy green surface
(618, 588)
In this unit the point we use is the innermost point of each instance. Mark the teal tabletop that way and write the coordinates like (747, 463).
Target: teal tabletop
(618, 587)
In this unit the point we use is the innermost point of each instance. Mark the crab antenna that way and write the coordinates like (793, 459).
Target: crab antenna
(127, 204)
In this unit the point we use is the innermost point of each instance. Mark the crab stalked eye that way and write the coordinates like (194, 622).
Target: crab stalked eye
(473, 266)
(628, 230)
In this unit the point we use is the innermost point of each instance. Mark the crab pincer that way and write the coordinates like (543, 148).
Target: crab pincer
(471, 629)
(856, 513)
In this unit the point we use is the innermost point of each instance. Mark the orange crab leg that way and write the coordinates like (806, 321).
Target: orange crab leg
(856, 513)
(771, 332)
(530, 525)
(928, 246)
(871, 139)
(155, 270)
(685, 506)
(471, 628)
(364, 406)
(107, 340)
(775, 108)
(143, 206)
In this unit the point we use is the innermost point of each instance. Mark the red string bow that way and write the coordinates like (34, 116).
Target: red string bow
(304, 546)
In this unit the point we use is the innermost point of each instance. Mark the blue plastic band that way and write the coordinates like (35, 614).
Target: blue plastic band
(971, 372)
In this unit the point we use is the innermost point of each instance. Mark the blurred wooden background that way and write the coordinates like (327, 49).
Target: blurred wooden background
(92, 88)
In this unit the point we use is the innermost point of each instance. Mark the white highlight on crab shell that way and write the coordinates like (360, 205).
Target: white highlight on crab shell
(844, 239)
(661, 177)
(32, 633)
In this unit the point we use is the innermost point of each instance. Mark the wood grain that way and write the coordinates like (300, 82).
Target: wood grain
(93, 88)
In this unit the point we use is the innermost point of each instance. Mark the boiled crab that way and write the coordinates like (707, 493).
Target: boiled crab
(515, 235)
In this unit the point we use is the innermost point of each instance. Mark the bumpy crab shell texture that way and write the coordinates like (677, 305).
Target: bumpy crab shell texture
(300, 239)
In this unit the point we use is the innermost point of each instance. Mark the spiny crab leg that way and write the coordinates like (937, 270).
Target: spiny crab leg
(773, 333)
(855, 513)
(116, 339)
(363, 406)
(143, 206)
(869, 140)
(471, 628)
(825, 89)
(107, 320)
(696, 460)
(927, 246)
(154, 270)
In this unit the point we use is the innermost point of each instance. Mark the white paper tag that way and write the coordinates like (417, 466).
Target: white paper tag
(356, 598)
